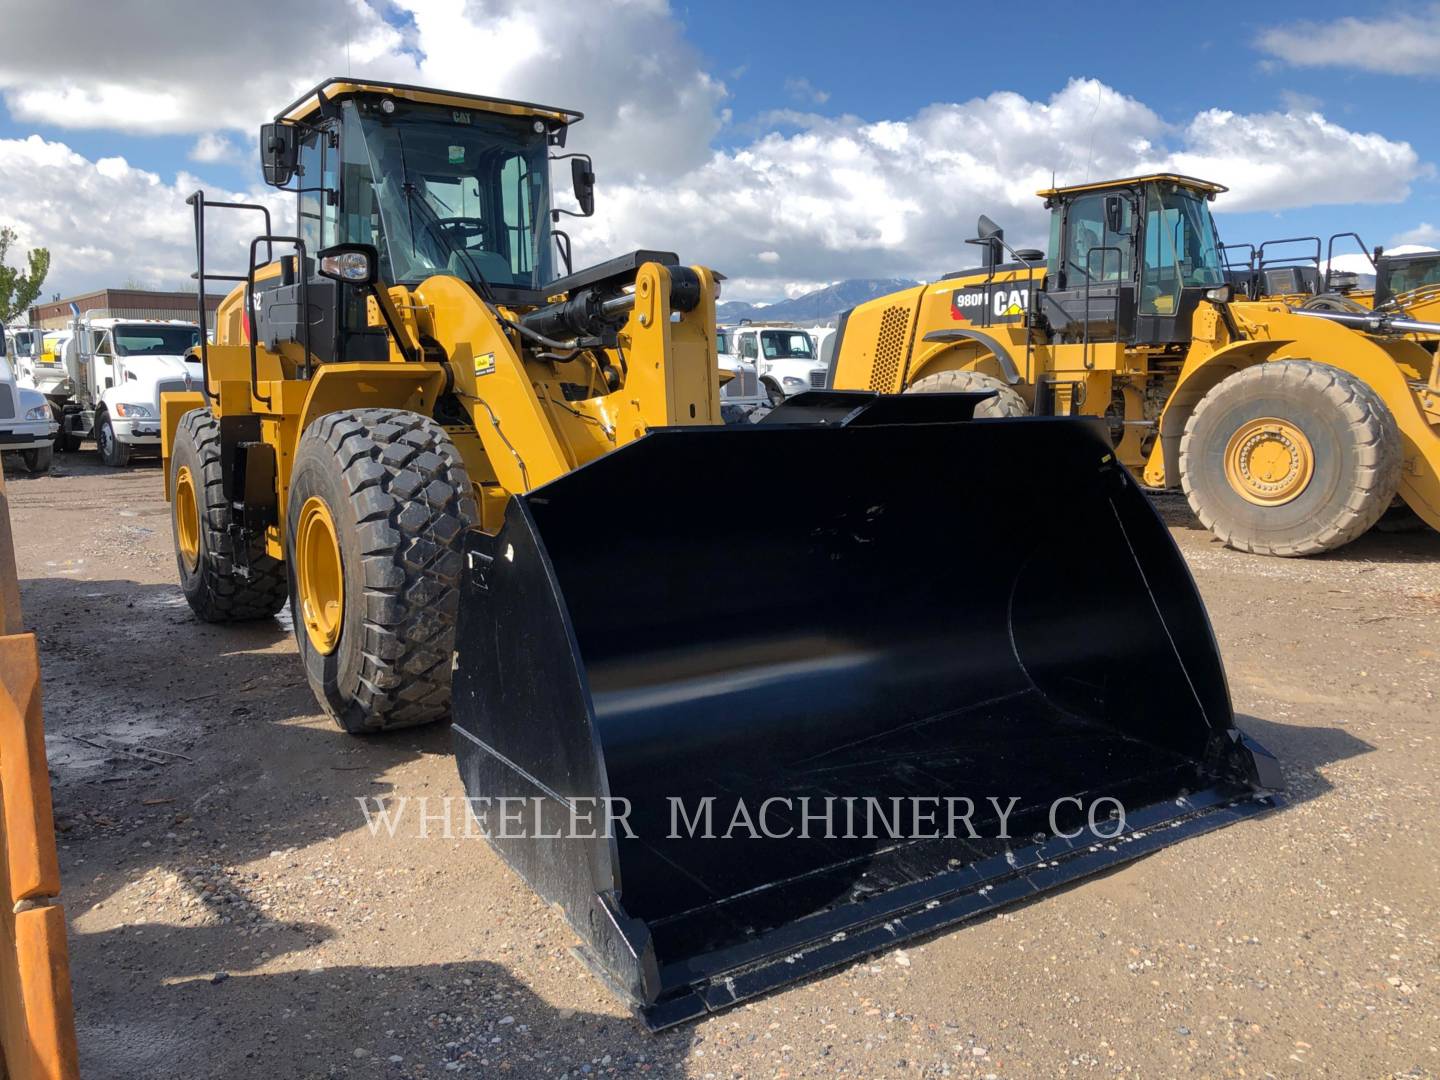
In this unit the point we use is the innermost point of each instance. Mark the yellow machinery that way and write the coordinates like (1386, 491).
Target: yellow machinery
(1290, 430)
(503, 497)
(1407, 284)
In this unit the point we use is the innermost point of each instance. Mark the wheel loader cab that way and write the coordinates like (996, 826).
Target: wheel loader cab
(1130, 260)
(457, 187)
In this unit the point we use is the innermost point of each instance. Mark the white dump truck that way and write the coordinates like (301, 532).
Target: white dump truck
(742, 394)
(26, 424)
(104, 378)
(785, 355)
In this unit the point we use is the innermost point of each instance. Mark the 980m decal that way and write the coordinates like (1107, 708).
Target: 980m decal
(989, 304)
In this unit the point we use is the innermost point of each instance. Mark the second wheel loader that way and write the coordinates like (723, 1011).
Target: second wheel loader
(1291, 431)
(454, 464)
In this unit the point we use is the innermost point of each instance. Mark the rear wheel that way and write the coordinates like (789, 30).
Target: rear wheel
(65, 441)
(1006, 402)
(113, 452)
(1290, 458)
(39, 459)
(379, 502)
(226, 576)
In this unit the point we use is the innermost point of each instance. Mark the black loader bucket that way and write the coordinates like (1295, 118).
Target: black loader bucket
(844, 677)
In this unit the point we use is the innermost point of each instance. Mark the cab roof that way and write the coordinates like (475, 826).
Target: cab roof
(1206, 186)
(309, 103)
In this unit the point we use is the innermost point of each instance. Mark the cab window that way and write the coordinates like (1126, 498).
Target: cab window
(747, 347)
(787, 345)
(1092, 250)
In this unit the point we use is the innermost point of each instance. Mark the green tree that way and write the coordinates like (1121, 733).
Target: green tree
(18, 289)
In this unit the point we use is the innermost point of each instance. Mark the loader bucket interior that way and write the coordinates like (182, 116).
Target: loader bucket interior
(936, 610)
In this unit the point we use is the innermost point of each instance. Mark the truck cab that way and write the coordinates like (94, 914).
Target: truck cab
(741, 394)
(786, 356)
(26, 423)
(104, 377)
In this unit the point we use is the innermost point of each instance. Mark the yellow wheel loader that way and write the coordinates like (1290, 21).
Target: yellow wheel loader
(1290, 430)
(1407, 284)
(735, 743)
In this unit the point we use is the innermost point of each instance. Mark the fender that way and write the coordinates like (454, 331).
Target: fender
(1002, 355)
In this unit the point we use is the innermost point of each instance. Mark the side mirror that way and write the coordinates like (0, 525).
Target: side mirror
(581, 171)
(279, 153)
(991, 238)
(353, 264)
(1115, 214)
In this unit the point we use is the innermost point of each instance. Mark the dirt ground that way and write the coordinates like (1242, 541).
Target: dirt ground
(230, 914)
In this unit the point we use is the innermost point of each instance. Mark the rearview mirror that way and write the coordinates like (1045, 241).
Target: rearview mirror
(279, 153)
(581, 171)
(1115, 214)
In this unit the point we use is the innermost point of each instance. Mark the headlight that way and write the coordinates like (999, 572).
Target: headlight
(133, 412)
(790, 380)
(39, 412)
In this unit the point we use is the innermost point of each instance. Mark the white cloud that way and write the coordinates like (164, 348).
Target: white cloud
(807, 199)
(1402, 42)
(106, 221)
(212, 147)
(838, 198)
(1424, 234)
(650, 106)
(156, 69)
(804, 90)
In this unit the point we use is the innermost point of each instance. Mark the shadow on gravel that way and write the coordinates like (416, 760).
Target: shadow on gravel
(473, 1017)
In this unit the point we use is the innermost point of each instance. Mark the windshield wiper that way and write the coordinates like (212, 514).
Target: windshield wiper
(431, 222)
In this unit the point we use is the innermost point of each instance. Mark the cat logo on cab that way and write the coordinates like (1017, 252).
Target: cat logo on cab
(989, 304)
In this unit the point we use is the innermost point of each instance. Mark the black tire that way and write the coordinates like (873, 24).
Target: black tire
(773, 392)
(112, 451)
(216, 588)
(400, 499)
(65, 441)
(38, 459)
(1356, 452)
(1006, 402)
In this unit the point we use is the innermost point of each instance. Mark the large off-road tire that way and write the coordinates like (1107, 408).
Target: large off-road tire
(1006, 402)
(1290, 458)
(112, 451)
(379, 502)
(38, 459)
(222, 581)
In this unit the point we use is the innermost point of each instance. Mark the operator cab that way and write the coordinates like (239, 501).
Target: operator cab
(1408, 278)
(423, 181)
(1130, 260)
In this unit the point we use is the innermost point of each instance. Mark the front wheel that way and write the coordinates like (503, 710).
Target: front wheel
(113, 452)
(1290, 458)
(1006, 402)
(379, 503)
(38, 459)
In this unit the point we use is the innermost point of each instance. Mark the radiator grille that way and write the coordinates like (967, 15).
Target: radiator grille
(746, 384)
(7, 403)
(817, 378)
(169, 386)
(889, 349)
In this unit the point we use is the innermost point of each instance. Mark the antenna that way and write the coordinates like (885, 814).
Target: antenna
(1090, 133)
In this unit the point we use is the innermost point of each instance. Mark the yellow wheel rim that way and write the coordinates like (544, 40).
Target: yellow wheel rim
(321, 579)
(1269, 462)
(187, 518)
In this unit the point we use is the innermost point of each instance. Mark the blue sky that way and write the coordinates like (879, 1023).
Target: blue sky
(733, 105)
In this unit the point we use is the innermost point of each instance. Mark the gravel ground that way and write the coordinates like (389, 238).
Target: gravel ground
(230, 914)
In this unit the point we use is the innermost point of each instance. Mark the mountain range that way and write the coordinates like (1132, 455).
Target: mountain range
(813, 308)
